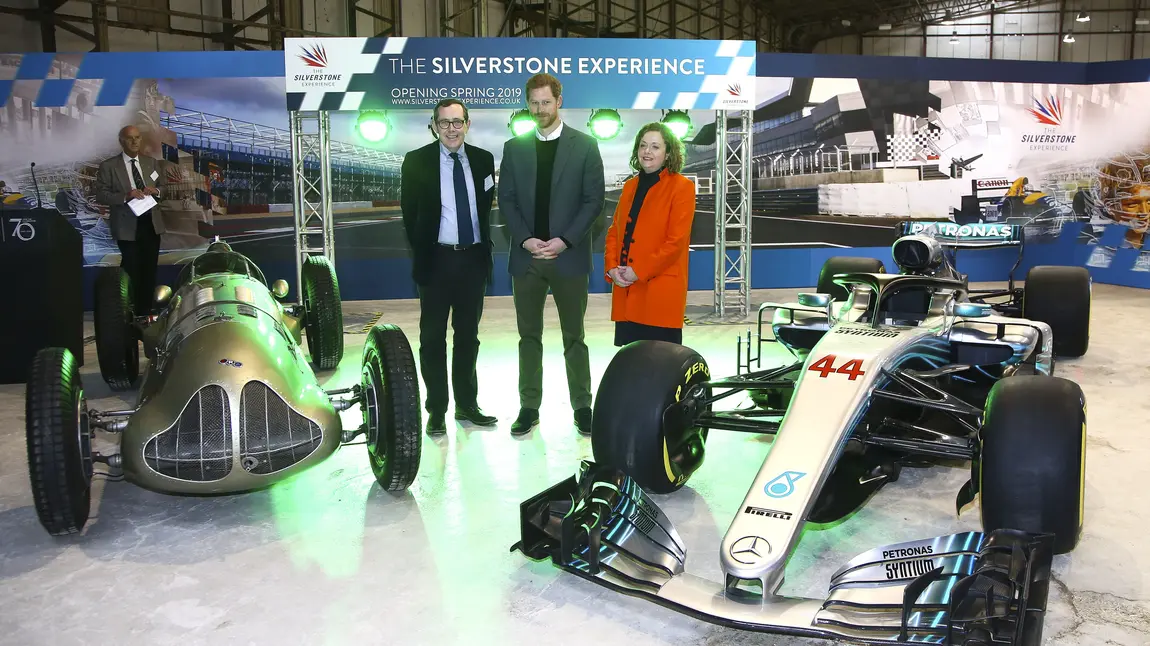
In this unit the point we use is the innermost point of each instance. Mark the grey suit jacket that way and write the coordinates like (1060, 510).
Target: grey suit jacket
(112, 188)
(577, 187)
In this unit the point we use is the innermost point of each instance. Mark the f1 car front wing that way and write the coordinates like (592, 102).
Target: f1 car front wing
(969, 588)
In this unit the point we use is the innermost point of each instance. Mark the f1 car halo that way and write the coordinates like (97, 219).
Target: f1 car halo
(229, 402)
(888, 370)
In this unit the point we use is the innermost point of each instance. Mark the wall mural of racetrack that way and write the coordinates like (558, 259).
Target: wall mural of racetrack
(837, 162)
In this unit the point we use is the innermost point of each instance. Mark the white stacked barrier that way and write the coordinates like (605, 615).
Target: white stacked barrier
(932, 199)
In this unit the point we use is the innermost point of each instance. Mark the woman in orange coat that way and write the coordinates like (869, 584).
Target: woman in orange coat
(648, 243)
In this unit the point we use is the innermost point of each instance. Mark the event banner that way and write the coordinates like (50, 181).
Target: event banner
(391, 73)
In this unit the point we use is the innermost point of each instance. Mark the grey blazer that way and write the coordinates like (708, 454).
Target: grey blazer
(112, 188)
(577, 187)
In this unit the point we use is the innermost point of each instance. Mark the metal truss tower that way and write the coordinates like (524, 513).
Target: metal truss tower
(733, 147)
(311, 204)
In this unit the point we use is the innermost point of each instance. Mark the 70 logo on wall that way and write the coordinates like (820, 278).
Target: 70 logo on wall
(852, 368)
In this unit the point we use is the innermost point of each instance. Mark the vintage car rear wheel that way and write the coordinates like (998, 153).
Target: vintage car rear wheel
(59, 442)
(1060, 297)
(1032, 467)
(117, 348)
(324, 312)
(391, 407)
(844, 265)
(632, 428)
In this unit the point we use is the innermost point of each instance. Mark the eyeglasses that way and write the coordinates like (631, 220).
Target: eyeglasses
(454, 123)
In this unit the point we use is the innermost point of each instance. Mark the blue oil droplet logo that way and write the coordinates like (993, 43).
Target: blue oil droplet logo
(784, 484)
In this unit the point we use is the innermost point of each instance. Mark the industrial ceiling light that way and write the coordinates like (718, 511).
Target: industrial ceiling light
(521, 122)
(373, 125)
(954, 37)
(679, 122)
(605, 124)
(1083, 17)
(948, 18)
(1068, 38)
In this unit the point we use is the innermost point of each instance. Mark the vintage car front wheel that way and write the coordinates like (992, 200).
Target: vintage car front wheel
(323, 311)
(117, 348)
(391, 407)
(636, 428)
(59, 442)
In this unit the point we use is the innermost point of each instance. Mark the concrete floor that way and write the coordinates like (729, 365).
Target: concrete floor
(330, 559)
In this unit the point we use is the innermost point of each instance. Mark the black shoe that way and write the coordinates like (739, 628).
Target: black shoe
(583, 420)
(436, 424)
(527, 420)
(475, 415)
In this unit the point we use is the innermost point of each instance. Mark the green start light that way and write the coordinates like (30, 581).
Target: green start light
(373, 126)
(605, 124)
(679, 122)
(521, 122)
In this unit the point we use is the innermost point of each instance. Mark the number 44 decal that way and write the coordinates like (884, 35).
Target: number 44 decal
(826, 367)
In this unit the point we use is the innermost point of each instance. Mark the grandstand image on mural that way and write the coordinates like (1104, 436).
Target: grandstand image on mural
(838, 162)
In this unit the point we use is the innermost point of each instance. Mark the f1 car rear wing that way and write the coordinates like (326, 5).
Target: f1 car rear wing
(973, 236)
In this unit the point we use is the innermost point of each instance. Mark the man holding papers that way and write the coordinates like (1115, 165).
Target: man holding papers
(127, 185)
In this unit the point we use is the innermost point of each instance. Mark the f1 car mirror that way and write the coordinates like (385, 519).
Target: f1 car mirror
(162, 296)
(280, 288)
(972, 310)
(807, 299)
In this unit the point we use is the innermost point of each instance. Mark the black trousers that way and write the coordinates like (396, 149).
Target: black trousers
(139, 258)
(629, 332)
(456, 287)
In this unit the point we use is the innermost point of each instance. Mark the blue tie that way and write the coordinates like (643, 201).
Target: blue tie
(462, 206)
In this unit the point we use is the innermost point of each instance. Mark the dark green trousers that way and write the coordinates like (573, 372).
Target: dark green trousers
(570, 294)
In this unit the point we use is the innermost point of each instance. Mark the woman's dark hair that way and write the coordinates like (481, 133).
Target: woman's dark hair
(676, 155)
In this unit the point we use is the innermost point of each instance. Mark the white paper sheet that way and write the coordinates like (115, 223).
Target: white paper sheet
(141, 206)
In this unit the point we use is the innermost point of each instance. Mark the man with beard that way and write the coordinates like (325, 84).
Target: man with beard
(447, 188)
(551, 190)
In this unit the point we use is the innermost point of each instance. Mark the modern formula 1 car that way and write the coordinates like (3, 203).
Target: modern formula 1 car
(228, 402)
(904, 370)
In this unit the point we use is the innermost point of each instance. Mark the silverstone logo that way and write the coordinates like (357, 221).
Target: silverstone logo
(952, 230)
(316, 57)
(1048, 112)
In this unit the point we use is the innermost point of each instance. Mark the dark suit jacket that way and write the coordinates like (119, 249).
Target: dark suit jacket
(113, 186)
(421, 204)
(577, 187)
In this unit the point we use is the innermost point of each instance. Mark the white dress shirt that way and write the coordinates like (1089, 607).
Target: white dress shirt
(128, 167)
(550, 137)
(448, 229)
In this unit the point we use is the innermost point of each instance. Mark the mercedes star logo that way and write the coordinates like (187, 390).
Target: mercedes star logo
(750, 550)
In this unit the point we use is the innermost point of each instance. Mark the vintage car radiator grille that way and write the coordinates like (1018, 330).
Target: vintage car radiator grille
(272, 435)
(199, 446)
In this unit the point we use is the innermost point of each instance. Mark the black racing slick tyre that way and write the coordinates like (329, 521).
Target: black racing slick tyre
(117, 348)
(323, 310)
(636, 426)
(1032, 467)
(1060, 297)
(59, 442)
(845, 265)
(391, 407)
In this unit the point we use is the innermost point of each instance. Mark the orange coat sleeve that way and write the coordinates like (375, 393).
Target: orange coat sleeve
(612, 246)
(678, 234)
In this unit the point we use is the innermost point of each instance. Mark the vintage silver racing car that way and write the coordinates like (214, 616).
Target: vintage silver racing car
(904, 371)
(228, 402)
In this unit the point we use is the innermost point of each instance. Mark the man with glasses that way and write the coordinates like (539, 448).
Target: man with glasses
(447, 188)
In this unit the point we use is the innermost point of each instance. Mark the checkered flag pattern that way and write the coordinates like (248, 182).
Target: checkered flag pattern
(912, 147)
(737, 81)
